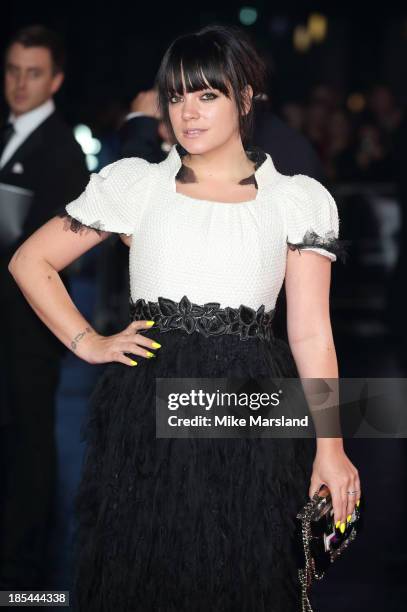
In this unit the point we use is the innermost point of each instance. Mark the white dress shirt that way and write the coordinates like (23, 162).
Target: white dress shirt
(24, 125)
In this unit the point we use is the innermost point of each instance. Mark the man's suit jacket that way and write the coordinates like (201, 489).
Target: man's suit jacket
(50, 163)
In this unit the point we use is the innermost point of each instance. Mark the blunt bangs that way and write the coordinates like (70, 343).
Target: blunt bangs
(199, 65)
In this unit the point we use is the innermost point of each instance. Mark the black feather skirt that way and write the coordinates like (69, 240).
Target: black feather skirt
(195, 524)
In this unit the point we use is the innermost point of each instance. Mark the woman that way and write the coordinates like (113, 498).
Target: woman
(169, 524)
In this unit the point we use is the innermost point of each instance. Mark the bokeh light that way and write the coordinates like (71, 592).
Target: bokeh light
(89, 145)
(317, 27)
(248, 15)
(356, 102)
(92, 162)
(301, 39)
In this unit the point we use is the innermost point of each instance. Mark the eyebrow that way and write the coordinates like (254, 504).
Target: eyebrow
(11, 65)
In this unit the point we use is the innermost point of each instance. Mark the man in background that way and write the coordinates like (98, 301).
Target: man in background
(41, 162)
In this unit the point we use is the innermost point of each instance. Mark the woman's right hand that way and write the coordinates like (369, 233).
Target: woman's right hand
(104, 349)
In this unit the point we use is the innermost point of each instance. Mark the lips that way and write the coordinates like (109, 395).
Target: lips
(193, 133)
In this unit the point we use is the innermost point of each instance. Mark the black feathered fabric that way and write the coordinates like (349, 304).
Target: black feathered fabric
(177, 525)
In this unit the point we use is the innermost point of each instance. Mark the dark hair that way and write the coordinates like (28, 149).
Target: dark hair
(41, 36)
(218, 55)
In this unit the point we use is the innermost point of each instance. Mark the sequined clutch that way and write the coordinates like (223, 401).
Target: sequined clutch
(319, 542)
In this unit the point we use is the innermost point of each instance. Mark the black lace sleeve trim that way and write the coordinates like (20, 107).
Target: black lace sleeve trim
(329, 242)
(80, 228)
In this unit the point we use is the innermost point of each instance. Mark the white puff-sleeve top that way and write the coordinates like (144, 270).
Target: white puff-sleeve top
(230, 253)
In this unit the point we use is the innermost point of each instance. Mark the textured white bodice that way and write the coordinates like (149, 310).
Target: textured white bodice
(231, 253)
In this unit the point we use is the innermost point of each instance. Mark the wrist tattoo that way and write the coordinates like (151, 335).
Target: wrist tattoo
(79, 337)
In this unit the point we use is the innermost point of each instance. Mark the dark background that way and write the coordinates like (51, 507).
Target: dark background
(114, 49)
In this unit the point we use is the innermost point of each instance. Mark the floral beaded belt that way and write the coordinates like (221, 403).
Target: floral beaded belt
(209, 319)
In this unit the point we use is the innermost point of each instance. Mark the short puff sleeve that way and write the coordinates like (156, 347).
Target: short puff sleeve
(312, 218)
(112, 198)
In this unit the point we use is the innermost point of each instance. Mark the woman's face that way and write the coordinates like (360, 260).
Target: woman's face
(203, 120)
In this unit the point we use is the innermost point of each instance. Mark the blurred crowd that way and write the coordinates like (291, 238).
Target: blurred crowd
(354, 136)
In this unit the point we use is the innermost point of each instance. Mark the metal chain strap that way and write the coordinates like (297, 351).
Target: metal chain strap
(305, 575)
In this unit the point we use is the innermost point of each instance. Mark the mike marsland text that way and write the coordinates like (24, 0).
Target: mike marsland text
(232, 421)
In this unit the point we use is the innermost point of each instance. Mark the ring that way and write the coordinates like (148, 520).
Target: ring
(352, 492)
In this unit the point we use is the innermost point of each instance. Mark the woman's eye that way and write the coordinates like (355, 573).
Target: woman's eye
(209, 96)
(173, 99)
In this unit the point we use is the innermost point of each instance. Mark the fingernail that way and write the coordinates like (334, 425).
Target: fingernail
(358, 503)
(149, 354)
(133, 363)
(342, 527)
(349, 517)
(150, 323)
(337, 524)
(156, 345)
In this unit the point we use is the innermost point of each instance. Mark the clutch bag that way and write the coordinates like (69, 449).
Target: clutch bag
(319, 542)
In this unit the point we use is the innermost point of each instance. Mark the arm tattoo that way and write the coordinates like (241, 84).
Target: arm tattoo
(79, 337)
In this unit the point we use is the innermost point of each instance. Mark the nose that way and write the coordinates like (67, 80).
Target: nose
(189, 108)
(21, 80)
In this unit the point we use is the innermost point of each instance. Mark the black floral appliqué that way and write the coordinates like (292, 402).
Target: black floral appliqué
(329, 242)
(78, 227)
(209, 319)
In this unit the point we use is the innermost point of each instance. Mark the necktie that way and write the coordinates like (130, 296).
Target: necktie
(7, 132)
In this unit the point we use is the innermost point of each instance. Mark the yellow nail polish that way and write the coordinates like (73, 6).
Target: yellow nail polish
(149, 354)
(348, 518)
(150, 323)
(358, 503)
(156, 345)
(337, 524)
(133, 363)
(342, 527)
